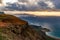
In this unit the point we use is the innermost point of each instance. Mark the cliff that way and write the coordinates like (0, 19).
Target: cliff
(12, 28)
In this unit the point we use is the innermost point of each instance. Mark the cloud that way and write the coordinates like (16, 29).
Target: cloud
(50, 4)
(45, 3)
(33, 5)
(56, 3)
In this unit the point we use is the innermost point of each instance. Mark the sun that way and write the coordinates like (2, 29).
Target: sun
(8, 1)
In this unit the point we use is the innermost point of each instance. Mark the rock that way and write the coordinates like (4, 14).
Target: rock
(45, 30)
(13, 28)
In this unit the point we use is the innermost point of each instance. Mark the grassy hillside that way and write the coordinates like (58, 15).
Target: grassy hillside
(12, 28)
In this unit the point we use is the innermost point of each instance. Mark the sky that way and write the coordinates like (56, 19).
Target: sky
(30, 5)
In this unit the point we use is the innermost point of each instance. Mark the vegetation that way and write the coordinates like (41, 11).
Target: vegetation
(50, 38)
(17, 29)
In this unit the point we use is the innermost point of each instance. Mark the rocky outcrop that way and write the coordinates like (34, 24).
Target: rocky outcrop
(12, 28)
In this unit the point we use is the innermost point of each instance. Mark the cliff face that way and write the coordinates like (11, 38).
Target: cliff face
(12, 28)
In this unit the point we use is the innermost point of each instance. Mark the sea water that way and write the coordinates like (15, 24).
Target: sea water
(50, 22)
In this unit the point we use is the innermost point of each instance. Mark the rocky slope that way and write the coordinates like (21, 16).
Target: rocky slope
(12, 28)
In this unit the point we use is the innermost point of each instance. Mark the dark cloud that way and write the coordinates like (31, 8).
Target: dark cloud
(33, 5)
(23, 0)
(56, 3)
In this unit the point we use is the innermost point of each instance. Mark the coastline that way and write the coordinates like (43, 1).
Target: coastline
(50, 36)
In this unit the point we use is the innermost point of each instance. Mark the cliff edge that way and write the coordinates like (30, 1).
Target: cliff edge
(13, 28)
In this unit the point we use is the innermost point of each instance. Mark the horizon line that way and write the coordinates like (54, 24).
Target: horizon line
(36, 13)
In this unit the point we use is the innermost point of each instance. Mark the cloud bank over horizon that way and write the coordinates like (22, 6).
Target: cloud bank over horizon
(32, 5)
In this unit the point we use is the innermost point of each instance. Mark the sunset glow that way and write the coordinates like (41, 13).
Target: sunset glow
(34, 13)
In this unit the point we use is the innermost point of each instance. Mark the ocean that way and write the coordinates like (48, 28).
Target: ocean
(50, 22)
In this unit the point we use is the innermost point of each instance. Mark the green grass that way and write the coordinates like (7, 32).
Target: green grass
(2, 37)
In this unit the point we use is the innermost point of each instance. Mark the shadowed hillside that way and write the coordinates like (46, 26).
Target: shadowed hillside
(12, 28)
